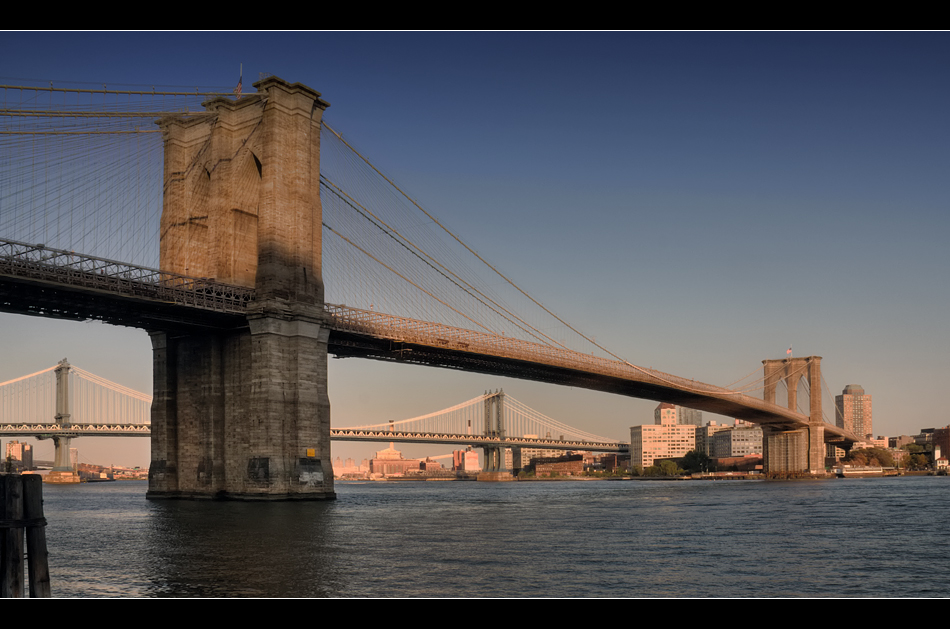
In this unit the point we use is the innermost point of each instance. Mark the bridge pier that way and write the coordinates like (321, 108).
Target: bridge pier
(798, 451)
(244, 413)
(496, 467)
(62, 472)
(232, 417)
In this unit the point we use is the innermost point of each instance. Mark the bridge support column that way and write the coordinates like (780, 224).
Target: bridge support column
(62, 471)
(799, 451)
(244, 414)
(496, 467)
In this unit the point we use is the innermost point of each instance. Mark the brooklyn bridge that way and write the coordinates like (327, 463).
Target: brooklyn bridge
(277, 244)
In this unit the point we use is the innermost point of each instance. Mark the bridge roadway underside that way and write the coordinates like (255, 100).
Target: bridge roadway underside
(35, 298)
(47, 299)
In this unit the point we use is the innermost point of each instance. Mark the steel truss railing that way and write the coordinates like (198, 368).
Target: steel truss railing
(38, 262)
(356, 434)
(75, 430)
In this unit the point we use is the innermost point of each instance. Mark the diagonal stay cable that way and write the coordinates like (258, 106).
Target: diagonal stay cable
(469, 249)
(431, 262)
(400, 275)
(504, 277)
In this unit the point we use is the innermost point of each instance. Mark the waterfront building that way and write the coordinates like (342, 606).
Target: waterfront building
(853, 410)
(429, 465)
(664, 440)
(899, 442)
(20, 455)
(569, 465)
(611, 461)
(899, 457)
(465, 460)
(389, 462)
(941, 464)
(833, 452)
(941, 441)
(748, 463)
(704, 436)
(509, 458)
(738, 441)
(349, 468)
(522, 457)
(925, 439)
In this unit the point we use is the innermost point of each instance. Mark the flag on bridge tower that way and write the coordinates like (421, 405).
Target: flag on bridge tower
(789, 352)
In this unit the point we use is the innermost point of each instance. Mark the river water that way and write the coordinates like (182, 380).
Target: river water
(843, 538)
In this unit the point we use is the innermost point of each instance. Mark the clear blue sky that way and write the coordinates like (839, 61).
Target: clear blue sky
(697, 202)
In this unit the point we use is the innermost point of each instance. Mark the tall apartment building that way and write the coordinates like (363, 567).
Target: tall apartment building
(689, 416)
(665, 413)
(853, 410)
(680, 414)
(664, 439)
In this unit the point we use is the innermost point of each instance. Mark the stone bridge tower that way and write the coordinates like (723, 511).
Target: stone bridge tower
(243, 413)
(801, 450)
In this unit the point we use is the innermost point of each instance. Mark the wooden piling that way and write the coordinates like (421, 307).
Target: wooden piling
(37, 557)
(21, 509)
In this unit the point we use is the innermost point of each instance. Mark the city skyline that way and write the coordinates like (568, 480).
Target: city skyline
(790, 185)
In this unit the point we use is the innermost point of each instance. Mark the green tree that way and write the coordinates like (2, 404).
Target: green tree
(874, 457)
(669, 468)
(696, 461)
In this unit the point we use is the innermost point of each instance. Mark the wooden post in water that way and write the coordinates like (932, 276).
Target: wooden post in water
(11, 536)
(37, 557)
(21, 507)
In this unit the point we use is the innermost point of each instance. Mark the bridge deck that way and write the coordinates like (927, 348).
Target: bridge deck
(40, 281)
(50, 430)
